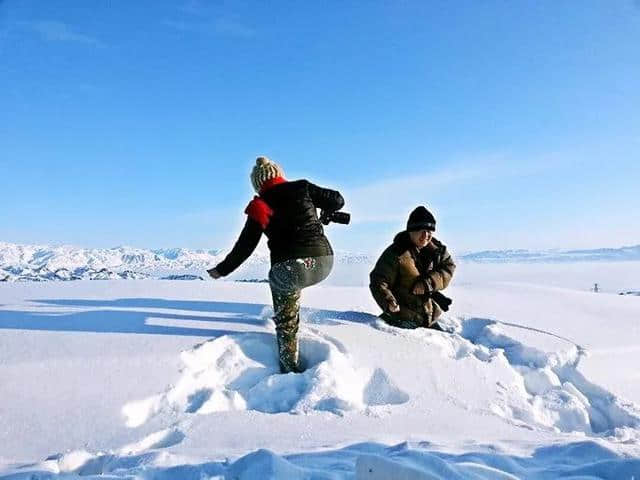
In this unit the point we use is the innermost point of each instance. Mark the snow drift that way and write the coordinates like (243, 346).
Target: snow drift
(170, 379)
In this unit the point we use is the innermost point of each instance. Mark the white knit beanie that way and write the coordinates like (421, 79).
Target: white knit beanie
(264, 170)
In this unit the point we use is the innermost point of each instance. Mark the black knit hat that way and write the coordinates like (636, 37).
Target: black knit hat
(421, 219)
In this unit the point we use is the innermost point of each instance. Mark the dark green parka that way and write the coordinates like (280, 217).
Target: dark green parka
(400, 267)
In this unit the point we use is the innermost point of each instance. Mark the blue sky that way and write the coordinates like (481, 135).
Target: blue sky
(136, 123)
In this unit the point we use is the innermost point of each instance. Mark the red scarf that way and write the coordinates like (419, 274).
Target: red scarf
(258, 209)
(272, 182)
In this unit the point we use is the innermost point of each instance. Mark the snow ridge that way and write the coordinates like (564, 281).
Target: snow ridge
(361, 461)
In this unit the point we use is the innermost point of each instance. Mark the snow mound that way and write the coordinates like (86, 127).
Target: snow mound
(543, 390)
(240, 372)
(163, 439)
(363, 461)
(548, 389)
(574, 460)
(265, 464)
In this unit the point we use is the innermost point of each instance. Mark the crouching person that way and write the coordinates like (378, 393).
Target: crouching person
(407, 278)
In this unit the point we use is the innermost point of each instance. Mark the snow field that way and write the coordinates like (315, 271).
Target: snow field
(501, 397)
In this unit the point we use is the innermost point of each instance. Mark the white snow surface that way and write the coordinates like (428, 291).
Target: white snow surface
(152, 379)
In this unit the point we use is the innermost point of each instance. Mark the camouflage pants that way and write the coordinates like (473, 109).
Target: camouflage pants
(287, 279)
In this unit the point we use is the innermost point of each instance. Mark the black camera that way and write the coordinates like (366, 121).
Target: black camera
(337, 217)
(442, 300)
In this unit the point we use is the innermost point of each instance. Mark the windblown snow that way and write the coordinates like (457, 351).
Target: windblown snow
(156, 379)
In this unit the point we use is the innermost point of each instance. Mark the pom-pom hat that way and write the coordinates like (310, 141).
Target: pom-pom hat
(264, 171)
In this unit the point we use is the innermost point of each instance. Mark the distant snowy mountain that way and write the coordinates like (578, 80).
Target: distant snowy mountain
(44, 263)
(349, 258)
(555, 256)
(182, 277)
(21, 263)
(41, 262)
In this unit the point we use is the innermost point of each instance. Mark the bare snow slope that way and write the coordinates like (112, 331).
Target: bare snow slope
(170, 379)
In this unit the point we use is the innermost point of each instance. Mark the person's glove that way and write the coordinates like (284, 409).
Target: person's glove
(393, 307)
(422, 286)
(325, 217)
(213, 273)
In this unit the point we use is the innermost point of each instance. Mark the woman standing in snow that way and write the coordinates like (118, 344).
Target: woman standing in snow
(301, 255)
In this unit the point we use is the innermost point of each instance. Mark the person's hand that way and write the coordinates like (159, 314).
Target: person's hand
(393, 307)
(421, 287)
(213, 273)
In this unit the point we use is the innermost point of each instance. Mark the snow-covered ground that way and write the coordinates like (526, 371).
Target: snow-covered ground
(178, 379)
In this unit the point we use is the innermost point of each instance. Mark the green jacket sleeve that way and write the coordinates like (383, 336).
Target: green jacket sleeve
(442, 273)
(382, 277)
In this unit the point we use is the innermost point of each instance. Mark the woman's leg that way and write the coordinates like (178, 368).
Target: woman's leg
(286, 306)
(287, 279)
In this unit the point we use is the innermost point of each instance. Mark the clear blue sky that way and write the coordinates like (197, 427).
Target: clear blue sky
(137, 123)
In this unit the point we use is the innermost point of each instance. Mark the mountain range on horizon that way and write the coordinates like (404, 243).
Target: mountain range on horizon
(626, 253)
(44, 262)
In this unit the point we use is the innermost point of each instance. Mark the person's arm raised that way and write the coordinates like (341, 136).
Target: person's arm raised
(326, 199)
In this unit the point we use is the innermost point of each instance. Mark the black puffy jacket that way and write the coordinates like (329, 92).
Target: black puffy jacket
(293, 230)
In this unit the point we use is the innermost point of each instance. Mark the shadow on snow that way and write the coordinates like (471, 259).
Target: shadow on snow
(130, 315)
